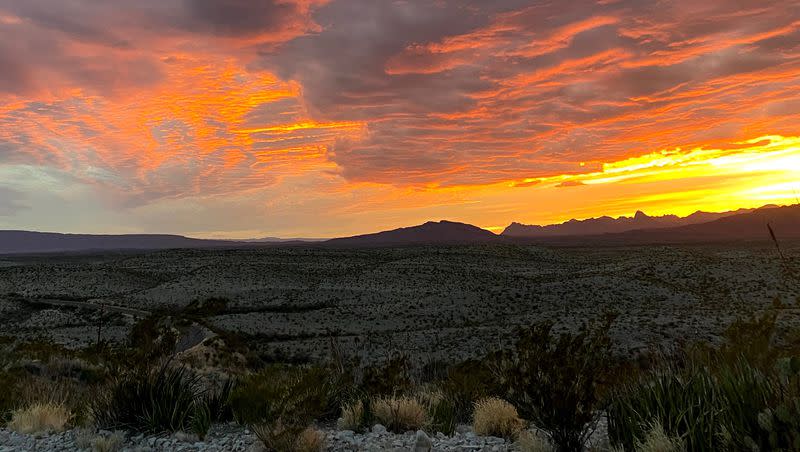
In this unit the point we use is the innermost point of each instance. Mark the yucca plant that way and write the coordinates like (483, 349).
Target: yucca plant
(218, 401)
(684, 403)
(145, 400)
(201, 420)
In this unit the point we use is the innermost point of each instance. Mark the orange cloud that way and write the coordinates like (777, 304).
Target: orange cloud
(388, 113)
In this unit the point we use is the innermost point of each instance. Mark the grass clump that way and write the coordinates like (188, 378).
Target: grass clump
(282, 436)
(496, 417)
(310, 440)
(109, 442)
(657, 440)
(442, 416)
(40, 418)
(400, 414)
(353, 416)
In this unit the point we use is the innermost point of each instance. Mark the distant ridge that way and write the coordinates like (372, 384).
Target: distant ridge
(608, 225)
(750, 226)
(12, 242)
(745, 224)
(432, 232)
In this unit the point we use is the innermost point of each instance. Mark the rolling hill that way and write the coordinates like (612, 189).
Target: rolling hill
(12, 242)
(432, 232)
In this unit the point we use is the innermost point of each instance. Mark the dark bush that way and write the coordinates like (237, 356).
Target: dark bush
(145, 400)
(466, 383)
(554, 381)
(391, 378)
(286, 393)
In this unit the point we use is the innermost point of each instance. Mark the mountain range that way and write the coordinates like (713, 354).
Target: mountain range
(740, 225)
(608, 225)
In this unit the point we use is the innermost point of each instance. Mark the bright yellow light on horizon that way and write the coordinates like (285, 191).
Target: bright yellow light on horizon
(752, 173)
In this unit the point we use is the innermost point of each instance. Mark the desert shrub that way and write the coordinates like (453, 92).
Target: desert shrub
(149, 400)
(391, 378)
(466, 383)
(554, 380)
(280, 391)
(749, 339)
(152, 338)
(207, 307)
(400, 414)
(496, 417)
(777, 424)
(40, 418)
(281, 435)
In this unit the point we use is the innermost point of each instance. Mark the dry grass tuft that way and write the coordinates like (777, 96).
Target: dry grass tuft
(352, 416)
(400, 414)
(108, 443)
(657, 440)
(310, 440)
(283, 436)
(40, 418)
(496, 417)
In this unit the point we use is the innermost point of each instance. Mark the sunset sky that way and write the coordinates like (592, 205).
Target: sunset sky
(320, 118)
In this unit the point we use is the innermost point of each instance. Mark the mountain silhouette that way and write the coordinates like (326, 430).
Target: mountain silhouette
(432, 232)
(751, 226)
(49, 242)
(608, 225)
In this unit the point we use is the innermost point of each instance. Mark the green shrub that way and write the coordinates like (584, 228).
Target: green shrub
(152, 338)
(145, 400)
(285, 392)
(554, 380)
(392, 378)
(466, 383)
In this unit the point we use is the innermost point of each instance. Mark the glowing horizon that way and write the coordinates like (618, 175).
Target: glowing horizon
(325, 118)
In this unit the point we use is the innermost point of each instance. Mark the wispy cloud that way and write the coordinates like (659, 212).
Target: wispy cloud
(400, 110)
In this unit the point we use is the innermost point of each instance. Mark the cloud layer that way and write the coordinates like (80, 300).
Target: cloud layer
(295, 104)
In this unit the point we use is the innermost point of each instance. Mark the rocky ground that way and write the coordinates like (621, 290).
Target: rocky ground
(431, 303)
(231, 437)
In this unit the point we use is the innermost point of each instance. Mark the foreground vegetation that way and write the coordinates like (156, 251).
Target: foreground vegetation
(549, 391)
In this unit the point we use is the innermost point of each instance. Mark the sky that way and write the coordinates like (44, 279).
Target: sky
(322, 118)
